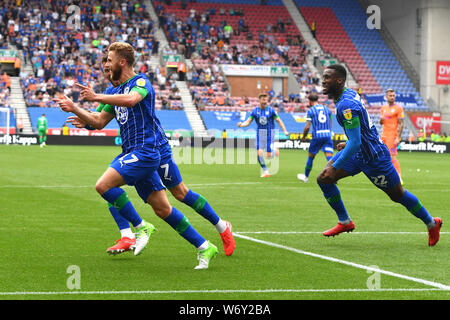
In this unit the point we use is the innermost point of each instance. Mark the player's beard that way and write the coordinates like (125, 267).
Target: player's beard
(116, 74)
(332, 91)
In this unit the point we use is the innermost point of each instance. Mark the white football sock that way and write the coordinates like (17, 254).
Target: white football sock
(203, 246)
(127, 233)
(221, 226)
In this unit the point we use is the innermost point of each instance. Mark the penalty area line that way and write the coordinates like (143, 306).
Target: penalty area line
(348, 263)
(75, 292)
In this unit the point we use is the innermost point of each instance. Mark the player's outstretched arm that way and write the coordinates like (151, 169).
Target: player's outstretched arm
(76, 122)
(80, 124)
(95, 120)
(124, 100)
(246, 123)
(282, 126)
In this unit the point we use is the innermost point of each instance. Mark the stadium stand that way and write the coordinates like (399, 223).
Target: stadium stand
(65, 56)
(365, 52)
(261, 36)
(210, 32)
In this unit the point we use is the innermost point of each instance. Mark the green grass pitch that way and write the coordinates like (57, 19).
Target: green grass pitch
(51, 218)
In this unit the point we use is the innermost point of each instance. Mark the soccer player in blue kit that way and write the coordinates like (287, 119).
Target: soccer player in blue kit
(172, 180)
(264, 116)
(363, 152)
(320, 117)
(132, 103)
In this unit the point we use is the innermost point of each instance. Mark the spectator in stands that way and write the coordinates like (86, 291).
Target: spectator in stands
(161, 81)
(17, 66)
(165, 104)
(313, 28)
(227, 32)
(174, 93)
(7, 81)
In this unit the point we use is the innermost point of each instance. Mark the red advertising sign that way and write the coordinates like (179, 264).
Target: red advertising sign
(428, 120)
(442, 72)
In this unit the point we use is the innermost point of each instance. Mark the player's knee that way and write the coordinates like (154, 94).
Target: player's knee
(396, 194)
(100, 187)
(162, 210)
(179, 192)
(160, 204)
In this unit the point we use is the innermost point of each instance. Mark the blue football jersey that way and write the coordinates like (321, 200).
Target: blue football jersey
(139, 126)
(351, 112)
(264, 118)
(319, 116)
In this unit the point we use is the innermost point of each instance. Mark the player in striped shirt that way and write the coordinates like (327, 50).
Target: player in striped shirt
(132, 103)
(171, 178)
(363, 152)
(319, 116)
(265, 117)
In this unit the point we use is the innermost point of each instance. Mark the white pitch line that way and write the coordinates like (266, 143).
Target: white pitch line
(348, 263)
(320, 232)
(18, 293)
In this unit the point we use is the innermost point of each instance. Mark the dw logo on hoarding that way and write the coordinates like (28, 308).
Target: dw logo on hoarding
(442, 72)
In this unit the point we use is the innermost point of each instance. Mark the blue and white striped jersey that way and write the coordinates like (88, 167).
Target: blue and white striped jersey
(351, 113)
(319, 115)
(139, 126)
(265, 119)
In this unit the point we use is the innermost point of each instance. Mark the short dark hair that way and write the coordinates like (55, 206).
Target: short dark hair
(313, 97)
(339, 69)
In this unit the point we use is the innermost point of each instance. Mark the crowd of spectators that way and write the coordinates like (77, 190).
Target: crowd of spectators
(63, 50)
(209, 45)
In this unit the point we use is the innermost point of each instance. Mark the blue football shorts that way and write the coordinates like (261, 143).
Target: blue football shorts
(265, 140)
(380, 171)
(168, 170)
(139, 169)
(324, 144)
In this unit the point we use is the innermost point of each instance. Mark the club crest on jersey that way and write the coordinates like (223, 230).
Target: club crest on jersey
(347, 114)
(121, 114)
(127, 90)
(263, 120)
(140, 82)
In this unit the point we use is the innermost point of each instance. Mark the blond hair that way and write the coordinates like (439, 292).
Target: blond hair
(124, 50)
(390, 90)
